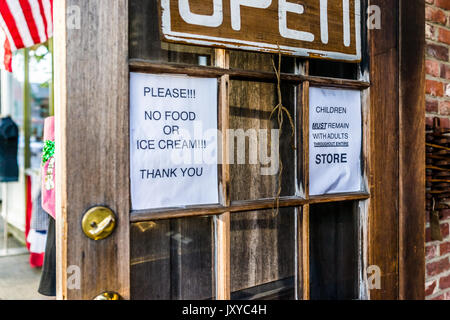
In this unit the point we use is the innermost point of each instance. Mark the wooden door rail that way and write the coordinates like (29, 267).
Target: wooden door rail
(138, 65)
(239, 206)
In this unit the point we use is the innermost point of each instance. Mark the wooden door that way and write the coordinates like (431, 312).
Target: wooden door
(241, 248)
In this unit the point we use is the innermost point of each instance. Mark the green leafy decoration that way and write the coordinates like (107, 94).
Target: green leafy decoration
(49, 151)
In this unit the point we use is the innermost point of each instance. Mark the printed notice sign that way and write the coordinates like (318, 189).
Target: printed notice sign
(335, 141)
(173, 141)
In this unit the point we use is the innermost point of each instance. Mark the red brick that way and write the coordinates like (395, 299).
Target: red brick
(444, 4)
(444, 108)
(437, 51)
(429, 288)
(444, 248)
(444, 232)
(445, 71)
(444, 282)
(445, 214)
(445, 123)
(432, 106)
(435, 15)
(435, 88)
(438, 267)
(433, 68)
(444, 35)
(430, 252)
(445, 229)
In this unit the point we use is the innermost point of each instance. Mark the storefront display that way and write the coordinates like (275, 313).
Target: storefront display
(9, 136)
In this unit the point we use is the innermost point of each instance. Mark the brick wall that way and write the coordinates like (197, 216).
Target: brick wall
(437, 32)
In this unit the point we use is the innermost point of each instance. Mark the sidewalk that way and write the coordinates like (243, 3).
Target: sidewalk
(18, 281)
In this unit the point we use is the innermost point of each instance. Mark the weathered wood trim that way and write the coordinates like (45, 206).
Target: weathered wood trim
(299, 254)
(223, 265)
(412, 150)
(305, 137)
(222, 222)
(305, 253)
(240, 206)
(59, 41)
(93, 130)
(384, 144)
(144, 66)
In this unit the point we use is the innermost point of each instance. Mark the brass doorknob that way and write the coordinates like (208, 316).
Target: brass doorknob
(107, 296)
(98, 223)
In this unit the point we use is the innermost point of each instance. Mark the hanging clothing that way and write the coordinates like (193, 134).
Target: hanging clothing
(47, 286)
(9, 138)
(39, 218)
(34, 240)
(37, 241)
(37, 236)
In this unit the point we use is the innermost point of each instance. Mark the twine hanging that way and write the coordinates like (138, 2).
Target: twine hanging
(280, 110)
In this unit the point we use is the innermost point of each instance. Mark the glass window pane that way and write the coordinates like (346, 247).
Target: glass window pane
(172, 259)
(256, 61)
(334, 251)
(255, 145)
(251, 61)
(263, 254)
(333, 69)
(145, 42)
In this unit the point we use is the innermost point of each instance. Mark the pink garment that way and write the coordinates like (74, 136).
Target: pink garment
(48, 171)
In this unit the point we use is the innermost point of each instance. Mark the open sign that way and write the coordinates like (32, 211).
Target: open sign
(329, 29)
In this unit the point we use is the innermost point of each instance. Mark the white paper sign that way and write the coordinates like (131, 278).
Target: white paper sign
(335, 141)
(173, 132)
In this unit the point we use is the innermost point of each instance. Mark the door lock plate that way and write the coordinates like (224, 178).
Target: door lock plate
(98, 223)
(107, 296)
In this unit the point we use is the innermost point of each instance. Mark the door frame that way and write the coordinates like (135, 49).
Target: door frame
(92, 128)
